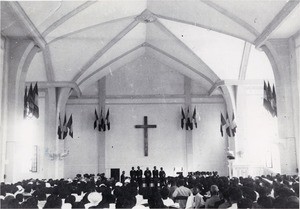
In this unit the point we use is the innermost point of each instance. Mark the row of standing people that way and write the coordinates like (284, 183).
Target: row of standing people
(155, 176)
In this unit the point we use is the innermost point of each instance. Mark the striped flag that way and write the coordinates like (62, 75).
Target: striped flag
(223, 123)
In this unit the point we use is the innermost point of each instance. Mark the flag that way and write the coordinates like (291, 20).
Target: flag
(59, 130)
(223, 123)
(189, 124)
(269, 97)
(25, 103)
(35, 101)
(233, 125)
(266, 101)
(30, 100)
(70, 126)
(96, 119)
(101, 125)
(182, 119)
(107, 120)
(228, 130)
(194, 120)
(65, 129)
(274, 102)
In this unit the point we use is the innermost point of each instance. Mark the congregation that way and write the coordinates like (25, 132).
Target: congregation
(197, 190)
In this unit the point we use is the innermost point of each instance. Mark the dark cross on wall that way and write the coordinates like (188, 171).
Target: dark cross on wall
(145, 126)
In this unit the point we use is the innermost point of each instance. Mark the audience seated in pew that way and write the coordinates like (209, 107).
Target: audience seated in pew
(198, 190)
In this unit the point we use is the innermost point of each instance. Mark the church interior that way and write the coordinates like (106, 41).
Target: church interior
(193, 87)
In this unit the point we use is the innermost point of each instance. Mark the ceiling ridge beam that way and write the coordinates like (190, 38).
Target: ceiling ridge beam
(66, 17)
(55, 84)
(276, 21)
(48, 63)
(244, 61)
(110, 44)
(201, 26)
(109, 63)
(168, 32)
(90, 27)
(231, 16)
(179, 61)
(216, 85)
(29, 26)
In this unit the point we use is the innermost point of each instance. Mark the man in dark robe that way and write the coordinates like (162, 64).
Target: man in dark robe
(132, 175)
(123, 177)
(155, 176)
(147, 174)
(139, 176)
(162, 177)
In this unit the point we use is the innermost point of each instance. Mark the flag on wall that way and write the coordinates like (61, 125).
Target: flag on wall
(26, 107)
(31, 106)
(228, 128)
(274, 102)
(233, 125)
(59, 130)
(269, 100)
(30, 99)
(189, 124)
(36, 101)
(107, 122)
(65, 129)
(266, 101)
(187, 121)
(103, 123)
(194, 120)
(96, 120)
(70, 126)
(183, 121)
(223, 123)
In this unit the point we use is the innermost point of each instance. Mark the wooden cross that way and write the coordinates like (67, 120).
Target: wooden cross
(145, 126)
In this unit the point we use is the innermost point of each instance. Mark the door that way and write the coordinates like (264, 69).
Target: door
(115, 173)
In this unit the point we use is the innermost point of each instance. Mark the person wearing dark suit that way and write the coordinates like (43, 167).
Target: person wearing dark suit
(139, 176)
(132, 175)
(147, 175)
(155, 176)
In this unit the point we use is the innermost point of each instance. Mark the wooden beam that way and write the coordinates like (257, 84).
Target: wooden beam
(67, 16)
(204, 26)
(27, 23)
(89, 27)
(54, 84)
(179, 42)
(244, 61)
(180, 61)
(48, 63)
(215, 86)
(109, 63)
(277, 20)
(110, 44)
(231, 16)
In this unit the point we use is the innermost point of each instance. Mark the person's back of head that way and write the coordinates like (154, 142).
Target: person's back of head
(164, 192)
(292, 202)
(280, 202)
(214, 190)
(245, 203)
(13, 203)
(195, 190)
(180, 182)
(235, 194)
(265, 202)
(70, 199)
(20, 197)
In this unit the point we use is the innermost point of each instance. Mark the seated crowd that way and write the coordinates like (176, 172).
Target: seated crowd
(197, 190)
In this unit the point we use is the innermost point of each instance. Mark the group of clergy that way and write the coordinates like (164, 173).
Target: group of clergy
(156, 177)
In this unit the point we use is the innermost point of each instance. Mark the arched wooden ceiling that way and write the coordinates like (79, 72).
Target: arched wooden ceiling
(83, 41)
